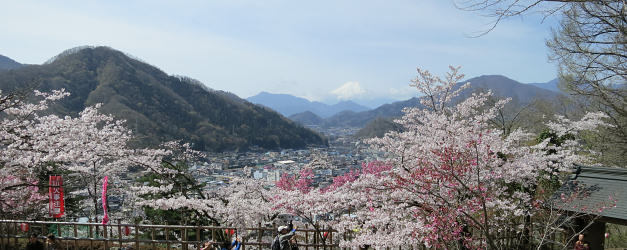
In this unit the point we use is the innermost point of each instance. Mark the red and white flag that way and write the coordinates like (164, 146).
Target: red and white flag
(56, 206)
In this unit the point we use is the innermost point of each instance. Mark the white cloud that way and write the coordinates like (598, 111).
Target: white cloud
(402, 93)
(348, 90)
(404, 90)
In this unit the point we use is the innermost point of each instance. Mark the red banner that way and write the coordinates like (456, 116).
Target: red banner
(55, 194)
(105, 182)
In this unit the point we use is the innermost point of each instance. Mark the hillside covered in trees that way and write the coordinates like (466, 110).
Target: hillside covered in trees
(157, 107)
(8, 63)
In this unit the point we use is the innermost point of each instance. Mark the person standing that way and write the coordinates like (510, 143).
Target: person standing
(282, 241)
(581, 244)
(34, 243)
(51, 243)
(236, 244)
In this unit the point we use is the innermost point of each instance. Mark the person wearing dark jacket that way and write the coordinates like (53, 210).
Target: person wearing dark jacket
(52, 243)
(285, 234)
(34, 243)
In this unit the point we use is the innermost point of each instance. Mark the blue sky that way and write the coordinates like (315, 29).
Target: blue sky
(320, 50)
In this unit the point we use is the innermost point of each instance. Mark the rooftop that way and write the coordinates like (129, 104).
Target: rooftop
(596, 190)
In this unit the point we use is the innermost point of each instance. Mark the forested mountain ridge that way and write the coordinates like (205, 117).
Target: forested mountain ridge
(307, 118)
(158, 107)
(8, 63)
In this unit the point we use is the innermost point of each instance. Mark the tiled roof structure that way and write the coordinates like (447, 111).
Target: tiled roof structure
(597, 190)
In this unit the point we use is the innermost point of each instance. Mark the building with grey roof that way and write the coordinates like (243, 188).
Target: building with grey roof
(597, 193)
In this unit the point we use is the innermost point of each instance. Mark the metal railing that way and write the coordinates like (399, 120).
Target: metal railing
(75, 235)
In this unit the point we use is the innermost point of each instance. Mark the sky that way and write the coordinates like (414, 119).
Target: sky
(328, 51)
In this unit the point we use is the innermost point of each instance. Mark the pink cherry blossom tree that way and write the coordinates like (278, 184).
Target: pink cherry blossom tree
(451, 180)
(324, 207)
(455, 180)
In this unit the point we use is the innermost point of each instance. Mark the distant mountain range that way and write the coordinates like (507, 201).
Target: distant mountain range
(289, 105)
(374, 103)
(501, 86)
(8, 63)
(551, 85)
(157, 107)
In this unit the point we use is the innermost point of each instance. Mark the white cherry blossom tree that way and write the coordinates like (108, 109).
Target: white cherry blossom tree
(86, 148)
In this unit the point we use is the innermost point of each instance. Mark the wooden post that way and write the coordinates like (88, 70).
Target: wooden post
(184, 244)
(198, 244)
(10, 228)
(344, 237)
(3, 233)
(7, 230)
(236, 233)
(213, 236)
(136, 236)
(120, 232)
(1, 236)
(91, 236)
(316, 237)
(324, 240)
(75, 236)
(153, 237)
(259, 236)
(330, 238)
(105, 237)
(6, 234)
(306, 237)
(9, 233)
(167, 238)
(15, 230)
